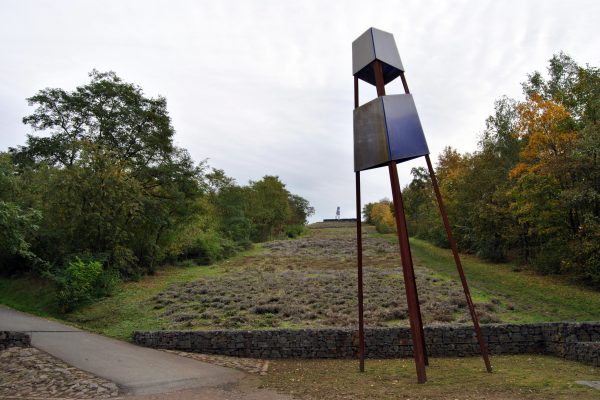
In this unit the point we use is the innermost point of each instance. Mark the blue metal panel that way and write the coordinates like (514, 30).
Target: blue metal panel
(387, 128)
(404, 130)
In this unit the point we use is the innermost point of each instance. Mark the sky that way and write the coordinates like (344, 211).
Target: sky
(265, 87)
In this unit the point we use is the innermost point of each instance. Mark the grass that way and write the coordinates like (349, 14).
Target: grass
(29, 294)
(535, 298)
(308, 276)
(514, 377)
(119, 315)
(116, 316)
(129, 309)
(310, 282)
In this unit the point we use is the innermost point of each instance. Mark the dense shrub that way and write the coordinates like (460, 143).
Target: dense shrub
(209, 247)
(380, 214)
(584, 259)
(16, 229)
(293, 231)
(81, 282)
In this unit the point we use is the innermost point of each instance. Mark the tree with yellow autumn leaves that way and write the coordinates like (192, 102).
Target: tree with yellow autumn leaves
(531, 191)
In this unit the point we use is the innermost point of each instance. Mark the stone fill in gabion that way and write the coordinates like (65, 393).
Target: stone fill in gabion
(575, 341)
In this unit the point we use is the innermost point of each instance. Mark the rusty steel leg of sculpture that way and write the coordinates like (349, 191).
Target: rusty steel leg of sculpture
(409, 278)
(463, 279)
(361, 327)
(414, 312)
(405, 85)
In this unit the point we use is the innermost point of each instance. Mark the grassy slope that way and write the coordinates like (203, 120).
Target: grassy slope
(126, 311)
(117, 316)
(28, 294)
(534, 298)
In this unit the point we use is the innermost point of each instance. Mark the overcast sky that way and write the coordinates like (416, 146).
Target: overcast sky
(265, 87)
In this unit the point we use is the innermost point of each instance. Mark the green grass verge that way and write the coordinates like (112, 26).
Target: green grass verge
(514, 377)
(127, 309)
(535, 298)
(29, 294)
(116, 316)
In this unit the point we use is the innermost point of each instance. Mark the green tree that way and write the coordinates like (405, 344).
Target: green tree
(106, 175)
(532, 189)
(17, 226)
(381, 214)
(268, 208)
(419, 204)
(300, 210)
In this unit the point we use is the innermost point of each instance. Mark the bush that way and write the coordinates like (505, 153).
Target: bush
(17, 226)
(382, 217)
(81, 282)
(209, 247)
(549, 257)
(292, 231)
(584, 255)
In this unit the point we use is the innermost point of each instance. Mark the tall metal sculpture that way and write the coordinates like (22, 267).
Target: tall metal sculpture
(387, 131)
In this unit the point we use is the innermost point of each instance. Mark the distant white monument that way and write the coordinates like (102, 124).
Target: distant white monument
(337, 213)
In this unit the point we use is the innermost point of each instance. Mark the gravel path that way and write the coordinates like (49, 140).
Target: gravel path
(28, 373)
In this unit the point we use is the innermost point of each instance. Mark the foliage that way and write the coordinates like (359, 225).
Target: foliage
(107, 178)
(18, 224)
(16, 228)
(532, 189)
(366, 213)
(300, 210)
(381, 215)
(294, 231)
(81, 282)
(100, 175)
(268, 208)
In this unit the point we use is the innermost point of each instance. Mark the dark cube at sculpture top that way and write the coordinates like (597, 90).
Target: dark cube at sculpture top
(375, 45)
(385, 129)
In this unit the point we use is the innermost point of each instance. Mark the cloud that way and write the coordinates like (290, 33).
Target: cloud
(265, 87)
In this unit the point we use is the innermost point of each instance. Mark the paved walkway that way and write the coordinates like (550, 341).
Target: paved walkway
(136, 370)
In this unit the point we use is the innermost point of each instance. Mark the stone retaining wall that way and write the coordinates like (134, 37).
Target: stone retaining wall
(576, 341)
(14, 339)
